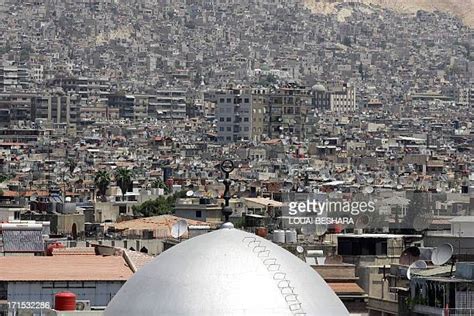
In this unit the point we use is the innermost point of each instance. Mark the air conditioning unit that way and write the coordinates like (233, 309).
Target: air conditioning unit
(83, 305)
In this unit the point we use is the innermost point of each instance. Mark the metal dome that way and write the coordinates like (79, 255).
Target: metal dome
(226, 272)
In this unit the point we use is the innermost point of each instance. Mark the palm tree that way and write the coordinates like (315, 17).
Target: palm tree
(102, 182)
(123, 177)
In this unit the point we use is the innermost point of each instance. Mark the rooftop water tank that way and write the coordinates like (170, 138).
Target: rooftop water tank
(65, 301)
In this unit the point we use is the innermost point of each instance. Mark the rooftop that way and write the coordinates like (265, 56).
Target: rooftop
(64, 268)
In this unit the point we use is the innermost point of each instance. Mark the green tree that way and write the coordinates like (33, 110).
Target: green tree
(161, 205)
(123, 177)
(4, 177)
(102, 182)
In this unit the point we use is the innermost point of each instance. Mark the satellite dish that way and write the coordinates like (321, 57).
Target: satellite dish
(422, 222)
(442, 254)
(362, 221)
(179, 229)
(308, 229)
(409, 256)
(321, 229)
(189, 193)
(426, 253)
(399, 187)
(299, 249)
(334, 259)
(368, 190)
(370, 180)
(416, 267)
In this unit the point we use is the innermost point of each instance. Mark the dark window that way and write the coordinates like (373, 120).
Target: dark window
(198, 214)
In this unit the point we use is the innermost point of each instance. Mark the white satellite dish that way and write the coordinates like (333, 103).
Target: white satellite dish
(368, 190)
(179, 229)
(189, 193)
(370, 180)
(442, 254)
(416, 267)
(299, 249)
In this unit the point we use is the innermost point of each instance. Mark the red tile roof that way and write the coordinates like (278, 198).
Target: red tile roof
(64, 268)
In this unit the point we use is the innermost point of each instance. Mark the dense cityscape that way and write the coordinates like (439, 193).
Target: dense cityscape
(222, 157)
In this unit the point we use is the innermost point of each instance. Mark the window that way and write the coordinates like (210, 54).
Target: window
(246, 119)
(246, 100)
(229, 119)
(198, 214)
(229, 129)
(221, 100)
(221, 119)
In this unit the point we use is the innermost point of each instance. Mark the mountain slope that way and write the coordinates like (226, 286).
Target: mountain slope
(464, 9)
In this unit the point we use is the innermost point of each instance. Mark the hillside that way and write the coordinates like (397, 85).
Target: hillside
(464, 9)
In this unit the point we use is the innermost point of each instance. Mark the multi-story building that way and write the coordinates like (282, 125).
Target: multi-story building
(57, 109)
(13, 78)
(89, 89)
(259, 112)
(15, 108)
(288, 108)
(336, 99)
(234, 115)
(131, 107)
(168, 104)
(466, 95)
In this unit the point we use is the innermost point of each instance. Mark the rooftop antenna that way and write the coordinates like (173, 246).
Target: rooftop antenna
(227, 166)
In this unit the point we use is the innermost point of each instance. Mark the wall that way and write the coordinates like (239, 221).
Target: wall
(99, 293)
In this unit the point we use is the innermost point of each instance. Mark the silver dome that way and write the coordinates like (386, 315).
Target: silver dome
(226, 272)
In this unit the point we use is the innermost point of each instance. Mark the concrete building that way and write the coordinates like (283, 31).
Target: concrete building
(95, 279)
(88, 89)
(234, 115)
(199, 209)
(288, 107)
(57, 109)
(131, 107)
(336, 99)
(13, 78)
(168, 104)
(15, 108)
